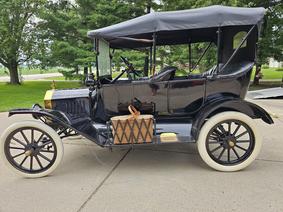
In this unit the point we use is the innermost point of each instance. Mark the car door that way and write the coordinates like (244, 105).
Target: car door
(185, 96)
(148, 94)
(145, 95)
(115, 95)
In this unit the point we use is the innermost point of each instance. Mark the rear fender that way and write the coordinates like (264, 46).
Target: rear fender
(252, 110)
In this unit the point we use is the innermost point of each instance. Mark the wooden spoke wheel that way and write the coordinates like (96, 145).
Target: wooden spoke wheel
(229, 141)
(31, 148)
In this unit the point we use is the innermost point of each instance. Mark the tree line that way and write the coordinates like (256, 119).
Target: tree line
(53, 33)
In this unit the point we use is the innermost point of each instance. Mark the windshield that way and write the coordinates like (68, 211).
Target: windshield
(103, 59)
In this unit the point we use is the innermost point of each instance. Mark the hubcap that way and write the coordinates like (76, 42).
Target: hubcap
(231, 144)
(28, 152)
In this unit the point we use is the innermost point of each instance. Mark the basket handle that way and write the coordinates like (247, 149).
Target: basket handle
(134, 112)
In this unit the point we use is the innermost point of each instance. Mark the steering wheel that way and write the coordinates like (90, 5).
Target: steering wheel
(130, 67)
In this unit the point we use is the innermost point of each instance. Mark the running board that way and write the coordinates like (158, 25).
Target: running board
(173, 132)
(164, 133)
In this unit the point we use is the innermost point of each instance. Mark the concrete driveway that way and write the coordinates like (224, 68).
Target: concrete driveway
(170, 177)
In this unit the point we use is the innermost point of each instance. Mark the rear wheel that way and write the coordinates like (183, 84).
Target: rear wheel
(31, 148)
(229, 141)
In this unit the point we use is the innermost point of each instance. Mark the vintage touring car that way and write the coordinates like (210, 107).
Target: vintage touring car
(206, 108)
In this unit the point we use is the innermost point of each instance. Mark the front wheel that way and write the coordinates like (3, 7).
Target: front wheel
(31, 149)
(229, 141)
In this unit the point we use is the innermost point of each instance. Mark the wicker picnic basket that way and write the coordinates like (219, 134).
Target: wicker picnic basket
(132, 129)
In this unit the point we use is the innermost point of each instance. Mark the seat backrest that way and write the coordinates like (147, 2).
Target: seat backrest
(236, 68)
(231, 69)
(165, 74)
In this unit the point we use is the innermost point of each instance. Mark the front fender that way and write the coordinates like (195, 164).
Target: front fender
(81, 125)
(37, 111)
(218, 106)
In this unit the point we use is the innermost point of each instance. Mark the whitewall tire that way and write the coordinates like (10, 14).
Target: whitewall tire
(31, 149)
(229, 141)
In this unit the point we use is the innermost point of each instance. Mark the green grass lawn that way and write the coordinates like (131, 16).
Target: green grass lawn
(264, 85)
(270, 74)
(25, 95)
(116, 73)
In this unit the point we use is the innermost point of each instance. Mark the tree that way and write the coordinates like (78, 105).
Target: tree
(64, 29)
(271, 41)
(66, 24)
(18, 34)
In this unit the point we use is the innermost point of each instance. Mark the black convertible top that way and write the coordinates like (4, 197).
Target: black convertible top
(176, 27)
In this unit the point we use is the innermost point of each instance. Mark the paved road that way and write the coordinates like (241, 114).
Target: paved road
(33, 77)
(164, 178)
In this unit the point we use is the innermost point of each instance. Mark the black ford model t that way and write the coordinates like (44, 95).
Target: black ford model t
(207, 108)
